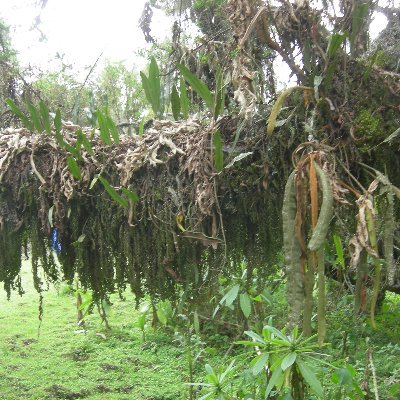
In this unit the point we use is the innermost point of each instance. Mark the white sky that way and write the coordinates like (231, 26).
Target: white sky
(80, 29)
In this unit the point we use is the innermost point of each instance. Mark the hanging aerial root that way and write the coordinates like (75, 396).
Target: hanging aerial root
(292, 252)
(325, 215)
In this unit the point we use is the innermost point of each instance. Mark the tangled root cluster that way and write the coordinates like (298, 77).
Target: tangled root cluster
(174, 235)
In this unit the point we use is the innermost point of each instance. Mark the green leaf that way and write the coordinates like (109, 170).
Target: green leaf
(230, 296)
(245, 304)
(104, 131)
(339, 250)
(273, 381)
(131, 195)
(209, 369)
(94, 180)
(360, 11)
(184, 99)
(15, 109)
(249, 343)
(35, 117)
(57, 122)
(255, 336)
(374, 57)
(198, 86)
(44, 113)
(317, 82)
(161, 316)
(106, 306)
(141, 127)
(113, 129)
(85, 142)
(78, 241)
(310, 377)
(278, 106)
(288, 361)
(112, 192)
(259, 363)
(154, 85)
(196, 323)
(342, 376)
(219, 95)
(175, 103)
(74, 167)
(277, 333)
(218, 154)
(335, 41)
(146, 88)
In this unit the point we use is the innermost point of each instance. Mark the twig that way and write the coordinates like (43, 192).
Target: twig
(374, 381)
(40, 177)
(86, 79)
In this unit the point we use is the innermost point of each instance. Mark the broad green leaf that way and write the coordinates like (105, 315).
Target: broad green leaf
(255, 336)
(278, 106)
(184, 99)
(259, 363)
(112, 129)
(218, 154)
(273, 381)
(154, 85)
(15, 109)
(198, 86)
(35, 116)
(112, 192)
(57, 122)
(229, 369)
(310, 377)
(335, 41)
(78, 145)
(131, 195)
(74, 167)
(339, 250)
(209, 369)
(360, 11)
(277, 333)
(175, 103)
(245, 304)
(230, 296)
(104, 131)
(161, 316)
(288, 361)
(146, 88)
(44, 113)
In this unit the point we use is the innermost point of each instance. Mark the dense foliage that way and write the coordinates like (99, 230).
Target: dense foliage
(231, 186)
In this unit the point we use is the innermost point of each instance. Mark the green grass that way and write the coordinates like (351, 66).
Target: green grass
(57, 362)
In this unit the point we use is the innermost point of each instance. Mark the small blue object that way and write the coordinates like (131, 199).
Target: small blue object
(55, 242)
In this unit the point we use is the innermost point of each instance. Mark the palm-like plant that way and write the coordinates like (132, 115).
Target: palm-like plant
(289, 361)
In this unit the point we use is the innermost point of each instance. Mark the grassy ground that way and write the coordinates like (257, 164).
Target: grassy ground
(61, 363)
